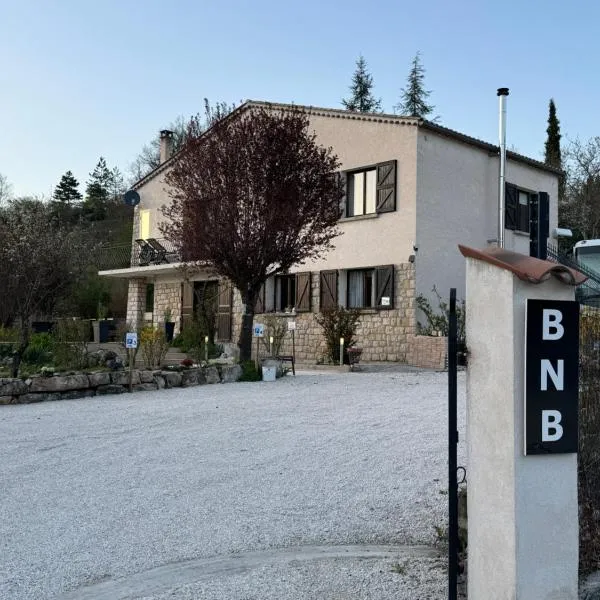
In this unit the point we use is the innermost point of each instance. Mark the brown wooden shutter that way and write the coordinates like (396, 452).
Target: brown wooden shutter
(511, 205)
(259, 306)
(384, 276)
(303, 292)
(224, 312)
(386, 186)
(328, 289)
(187, 303)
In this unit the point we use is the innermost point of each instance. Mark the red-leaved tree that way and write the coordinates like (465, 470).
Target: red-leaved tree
(251, 197)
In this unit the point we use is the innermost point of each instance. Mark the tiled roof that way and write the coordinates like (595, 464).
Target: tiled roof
(375, 117)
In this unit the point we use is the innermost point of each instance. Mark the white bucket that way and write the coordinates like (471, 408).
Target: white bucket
(269, 373)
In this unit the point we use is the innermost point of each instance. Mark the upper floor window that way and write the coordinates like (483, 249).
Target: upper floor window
(144, 224)
(516, 213)
(362, 189)
(371, 190)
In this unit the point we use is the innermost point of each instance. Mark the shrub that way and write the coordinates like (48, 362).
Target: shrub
(9, 334)
(250, 372)
(39, 350)
(69, 343)
(338, 322)
(153, 345)
(275, 327)
(438, 323)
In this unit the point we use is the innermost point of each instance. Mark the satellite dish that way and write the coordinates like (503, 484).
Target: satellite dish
(132, 198)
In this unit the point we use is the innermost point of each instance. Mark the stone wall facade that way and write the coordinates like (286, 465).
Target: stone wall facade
(167, 295)
(136, 301)
(428, 352)
(383, 335)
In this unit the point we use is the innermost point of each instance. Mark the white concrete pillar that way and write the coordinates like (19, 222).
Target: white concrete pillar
(523, 515)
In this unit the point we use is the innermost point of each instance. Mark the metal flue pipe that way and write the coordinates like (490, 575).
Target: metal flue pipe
(502, 94)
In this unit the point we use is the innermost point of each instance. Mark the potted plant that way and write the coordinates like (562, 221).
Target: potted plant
(169, 324)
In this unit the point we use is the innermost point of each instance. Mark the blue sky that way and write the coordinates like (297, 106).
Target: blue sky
(80, 79)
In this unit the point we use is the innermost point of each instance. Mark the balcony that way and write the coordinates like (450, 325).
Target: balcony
(153, 251)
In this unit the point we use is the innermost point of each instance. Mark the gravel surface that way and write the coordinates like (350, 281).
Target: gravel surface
(96, 492)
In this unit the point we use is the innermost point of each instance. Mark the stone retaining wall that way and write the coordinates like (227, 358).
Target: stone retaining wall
(428, 352)
(86, 385)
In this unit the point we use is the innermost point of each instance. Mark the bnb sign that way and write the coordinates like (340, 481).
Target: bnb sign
(551, 376)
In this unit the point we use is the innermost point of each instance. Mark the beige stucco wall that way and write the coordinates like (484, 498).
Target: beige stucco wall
(153, 195)
(457, 199)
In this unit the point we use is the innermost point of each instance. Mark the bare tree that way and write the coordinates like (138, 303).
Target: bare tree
(252, 197)
(580, 207)
(149, 158)
(5, 189)
(40, 258)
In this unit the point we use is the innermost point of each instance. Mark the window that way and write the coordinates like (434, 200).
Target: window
(291, 291)
(285, 293)
(361, 288)
(370, 288)
(371, 190)
(362, 189)
(516, 214)
(144, 224)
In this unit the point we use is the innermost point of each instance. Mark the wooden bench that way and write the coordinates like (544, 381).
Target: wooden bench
(288, 358)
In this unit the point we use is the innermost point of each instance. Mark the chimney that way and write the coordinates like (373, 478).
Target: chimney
(166, 145)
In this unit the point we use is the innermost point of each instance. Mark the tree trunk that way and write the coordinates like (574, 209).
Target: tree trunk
(245, 339)
(20, 351)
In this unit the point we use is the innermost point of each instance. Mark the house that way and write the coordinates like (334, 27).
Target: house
(415, 190)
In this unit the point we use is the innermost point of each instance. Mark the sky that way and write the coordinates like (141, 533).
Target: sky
(80, 79)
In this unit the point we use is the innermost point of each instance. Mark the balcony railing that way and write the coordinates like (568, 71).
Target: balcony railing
(153, 251)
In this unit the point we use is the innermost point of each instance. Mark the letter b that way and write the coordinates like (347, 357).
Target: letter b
(552, 329)
(552, 431)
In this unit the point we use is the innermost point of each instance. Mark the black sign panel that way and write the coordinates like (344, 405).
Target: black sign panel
(551, 376)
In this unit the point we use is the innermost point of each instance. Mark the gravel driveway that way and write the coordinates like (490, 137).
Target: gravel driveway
(319, 486)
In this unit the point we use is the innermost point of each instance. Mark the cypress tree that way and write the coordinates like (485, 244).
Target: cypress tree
(553, 156)
(361, 95)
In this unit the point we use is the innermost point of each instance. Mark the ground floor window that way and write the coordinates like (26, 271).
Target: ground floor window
(285, 293)
(361, 288)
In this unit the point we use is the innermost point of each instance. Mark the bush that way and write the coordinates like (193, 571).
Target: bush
(338, 322)
(69, 342)
(438, 323)
(39, 350)
(275, 327)
(9, 334)
(250, 372)
(154, 346)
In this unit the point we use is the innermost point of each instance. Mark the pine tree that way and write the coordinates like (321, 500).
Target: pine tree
(67, 190)
(117, 185)
(552, 146)
(97, 191)
(362, 99)
(413, 99)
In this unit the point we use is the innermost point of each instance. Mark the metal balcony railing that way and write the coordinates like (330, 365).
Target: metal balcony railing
(153, 251)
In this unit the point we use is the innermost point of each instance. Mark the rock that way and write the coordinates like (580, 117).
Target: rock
(8, 400)
(145, 387)
(231, 374)
(222, 360)
(212, 375)
(110, 389)
(172, 378)
(146, 376)
(122, 378)
(12, 387)
(160, 382)
(114, 364)
(192, 377)
(60, 383)
(77, 394)
(101, 378)
(40, 397)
